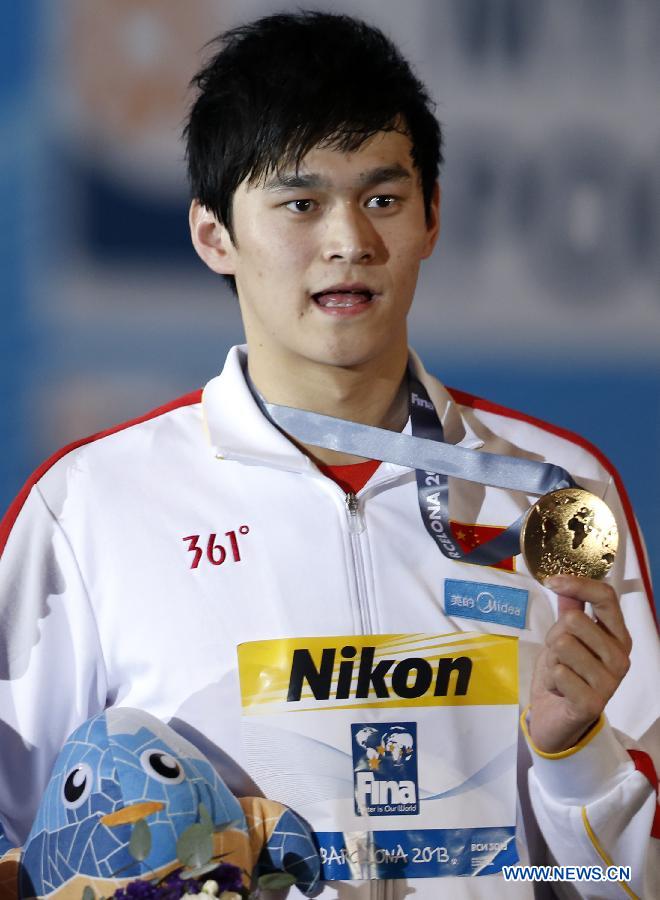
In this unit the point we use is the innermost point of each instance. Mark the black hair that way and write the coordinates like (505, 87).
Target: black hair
(285, 83)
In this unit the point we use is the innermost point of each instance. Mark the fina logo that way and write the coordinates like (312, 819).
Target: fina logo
(385, 769)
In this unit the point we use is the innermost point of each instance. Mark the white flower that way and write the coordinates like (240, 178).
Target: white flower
(229, 895)
(211, 887)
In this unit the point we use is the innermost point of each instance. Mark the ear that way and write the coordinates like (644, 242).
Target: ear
(211, 240)
(433, 221)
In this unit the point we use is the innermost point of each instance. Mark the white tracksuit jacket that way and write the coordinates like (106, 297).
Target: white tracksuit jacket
(100, 603)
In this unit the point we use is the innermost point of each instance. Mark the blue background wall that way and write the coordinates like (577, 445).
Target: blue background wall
(544, 294)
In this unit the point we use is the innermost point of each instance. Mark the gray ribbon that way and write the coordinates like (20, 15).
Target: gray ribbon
(434, 460)
(494, 469)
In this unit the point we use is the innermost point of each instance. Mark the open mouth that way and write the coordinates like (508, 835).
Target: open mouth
(344, 297)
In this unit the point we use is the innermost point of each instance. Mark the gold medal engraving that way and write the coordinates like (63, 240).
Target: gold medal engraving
(569, 532)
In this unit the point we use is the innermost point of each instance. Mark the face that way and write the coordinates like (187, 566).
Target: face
(326, 258)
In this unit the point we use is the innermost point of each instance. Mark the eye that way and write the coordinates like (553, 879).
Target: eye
(77, 786)
(382, 201)
(301, 206)
(161, 766)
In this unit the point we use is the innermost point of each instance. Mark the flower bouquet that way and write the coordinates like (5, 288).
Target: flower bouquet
(199, 873)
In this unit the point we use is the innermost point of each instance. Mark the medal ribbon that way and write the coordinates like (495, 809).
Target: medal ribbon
(433, 487)
(433, 460)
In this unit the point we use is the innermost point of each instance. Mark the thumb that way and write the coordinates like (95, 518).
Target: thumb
(564, 602)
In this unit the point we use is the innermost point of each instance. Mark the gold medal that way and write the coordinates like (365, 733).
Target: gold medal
(569, 532)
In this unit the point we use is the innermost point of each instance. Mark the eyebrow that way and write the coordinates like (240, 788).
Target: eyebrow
(294, 180)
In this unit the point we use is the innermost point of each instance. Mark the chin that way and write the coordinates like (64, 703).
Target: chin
(346, 359)
(349, 354)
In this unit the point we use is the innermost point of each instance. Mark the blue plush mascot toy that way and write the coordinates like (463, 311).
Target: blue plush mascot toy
(124, 770)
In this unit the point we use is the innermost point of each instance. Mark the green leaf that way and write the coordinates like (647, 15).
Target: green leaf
(205, 819)
(195, 846)
(88, 893)
(275, 881)
(140, 843)
(200, 870)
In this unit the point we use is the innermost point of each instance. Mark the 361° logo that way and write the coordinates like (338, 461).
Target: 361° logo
(216, 553)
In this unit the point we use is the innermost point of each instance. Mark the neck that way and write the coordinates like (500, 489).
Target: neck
(370, 394)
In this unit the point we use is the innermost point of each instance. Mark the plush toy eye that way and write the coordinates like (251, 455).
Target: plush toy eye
(162, 766)
(77, 786)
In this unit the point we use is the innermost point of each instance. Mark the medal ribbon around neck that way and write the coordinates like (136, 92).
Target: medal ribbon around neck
(433, 460)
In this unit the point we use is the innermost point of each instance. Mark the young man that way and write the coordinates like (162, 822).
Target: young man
(135, 562)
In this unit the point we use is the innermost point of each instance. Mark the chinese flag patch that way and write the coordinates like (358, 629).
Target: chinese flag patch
(470, 536)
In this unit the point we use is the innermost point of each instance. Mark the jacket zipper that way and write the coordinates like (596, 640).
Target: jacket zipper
(378, 890)
(355, 528)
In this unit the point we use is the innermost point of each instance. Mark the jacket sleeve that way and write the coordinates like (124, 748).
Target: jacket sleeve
(597, 803)
(51, 669)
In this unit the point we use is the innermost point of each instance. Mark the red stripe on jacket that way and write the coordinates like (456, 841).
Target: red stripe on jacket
(12, 513)
(644, 764)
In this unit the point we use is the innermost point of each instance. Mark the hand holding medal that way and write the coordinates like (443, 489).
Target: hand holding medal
(569, 540)
(580, 667)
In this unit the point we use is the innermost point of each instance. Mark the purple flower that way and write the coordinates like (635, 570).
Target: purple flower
(228, 877)
(173, 887)
(137, 890)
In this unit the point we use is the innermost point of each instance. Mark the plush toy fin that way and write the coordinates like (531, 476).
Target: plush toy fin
(10, 865)
(282, 841)
(10, 857)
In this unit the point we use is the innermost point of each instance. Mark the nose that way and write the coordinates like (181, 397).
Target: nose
(350, 236)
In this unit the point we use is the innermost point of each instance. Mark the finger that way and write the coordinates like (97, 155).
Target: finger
(568, 651)
(601, 596)
(608, 649)
(586, 705)
(544, 672)
(564, 603)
